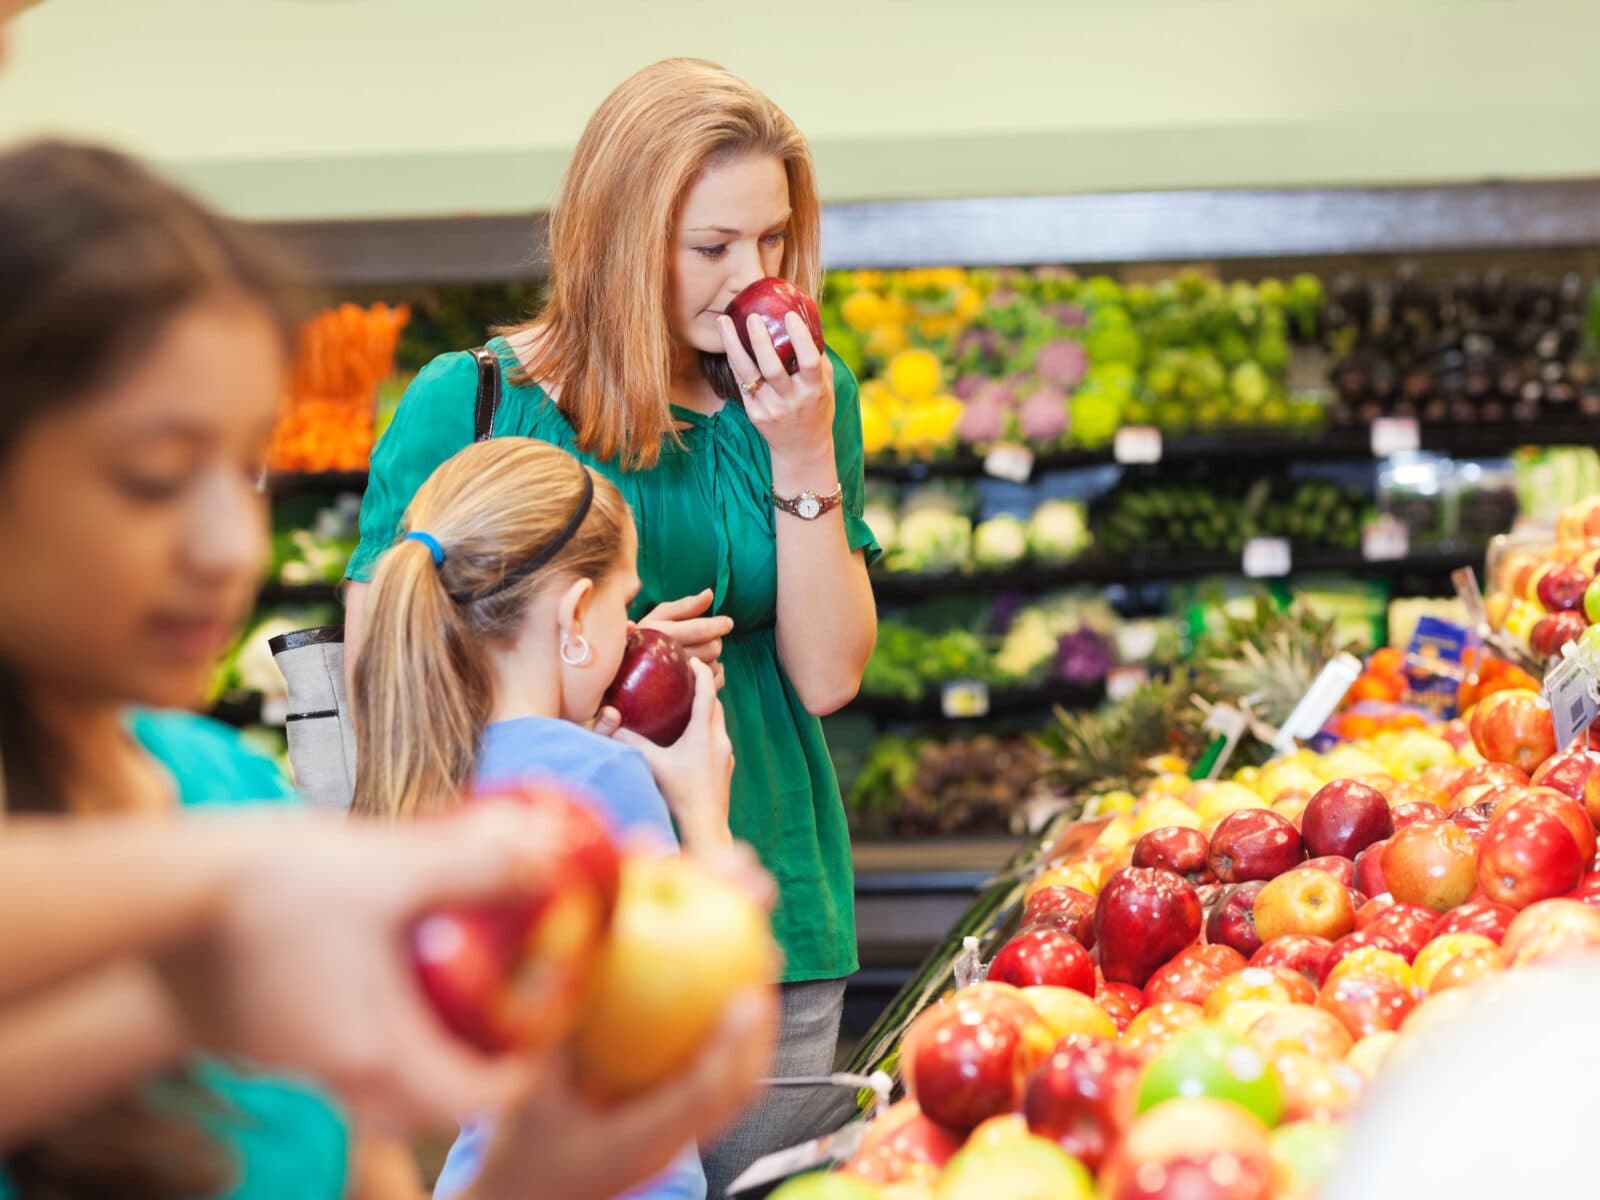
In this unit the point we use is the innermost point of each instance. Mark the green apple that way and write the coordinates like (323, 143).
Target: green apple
(826, 1186)
(1591, 601)
(1589, 639)
(1208, 1060)
(1022, 1168)
(1304, 1152)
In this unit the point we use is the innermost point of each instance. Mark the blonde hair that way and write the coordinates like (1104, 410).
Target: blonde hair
(605, 344)
(423, 684)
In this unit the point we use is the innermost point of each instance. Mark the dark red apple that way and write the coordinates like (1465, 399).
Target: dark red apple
(1477, 916)
(771, 299)
(1345, 817)
(966, 1062)
(1254, 843)
(1341, 868)
(1144, 916)
(1057, 898)
(1298, 952)
(1561, 589)
(1550, 633)
(654, 687)
(510, 975)
(1369, 870)
(1122, 1002)
(1416, 812)
(1082, 1098)
(1528, 855)
(1569, 772)
(1233, 922)
(1177, 848)
(1046, 957)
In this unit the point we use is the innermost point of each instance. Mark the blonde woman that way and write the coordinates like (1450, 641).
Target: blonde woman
(687, 185)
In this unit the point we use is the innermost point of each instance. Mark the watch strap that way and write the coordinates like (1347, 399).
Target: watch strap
(798, 506)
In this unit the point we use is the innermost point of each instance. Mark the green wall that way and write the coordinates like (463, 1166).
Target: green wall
(335, 108)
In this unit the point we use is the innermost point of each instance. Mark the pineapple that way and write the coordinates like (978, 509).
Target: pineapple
(1110, 749)
(1266, 661)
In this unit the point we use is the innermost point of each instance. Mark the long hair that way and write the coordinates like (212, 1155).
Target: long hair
(604, 342)
(97, 258)
(423, 685)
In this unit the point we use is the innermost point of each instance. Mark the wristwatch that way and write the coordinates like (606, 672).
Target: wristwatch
(808, 506)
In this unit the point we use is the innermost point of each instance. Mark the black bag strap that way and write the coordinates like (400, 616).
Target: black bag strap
(488, 402)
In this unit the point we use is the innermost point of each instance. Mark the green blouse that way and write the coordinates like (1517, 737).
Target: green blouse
(705, 519)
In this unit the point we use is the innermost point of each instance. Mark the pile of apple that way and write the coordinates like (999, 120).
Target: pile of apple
(1549, 597)
(1193, 1003)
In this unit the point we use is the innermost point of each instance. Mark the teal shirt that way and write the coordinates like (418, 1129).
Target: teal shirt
(287, 1138)
(705, 520)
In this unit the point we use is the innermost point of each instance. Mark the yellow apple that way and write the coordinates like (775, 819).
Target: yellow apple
(1373, 962)
(1066, 1012)
(1222, 799)
(1433, 956)
(1159, 812)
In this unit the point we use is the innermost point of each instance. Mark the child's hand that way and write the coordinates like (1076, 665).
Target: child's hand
(694, 773)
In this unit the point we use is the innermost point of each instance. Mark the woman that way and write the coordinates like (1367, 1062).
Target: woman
(687, 185)
(129, 486)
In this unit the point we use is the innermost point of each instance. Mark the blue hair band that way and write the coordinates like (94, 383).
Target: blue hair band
(431, 542)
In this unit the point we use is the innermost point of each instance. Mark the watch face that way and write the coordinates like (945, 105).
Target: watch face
(809, 507)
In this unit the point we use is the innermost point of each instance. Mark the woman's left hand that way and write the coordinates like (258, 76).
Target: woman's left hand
(794, 413)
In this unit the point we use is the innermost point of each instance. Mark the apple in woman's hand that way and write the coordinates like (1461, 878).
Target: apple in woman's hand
(653, 692)
(771, 299)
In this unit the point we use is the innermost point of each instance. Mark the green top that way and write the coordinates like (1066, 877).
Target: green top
(705, 519)
(286, 1138)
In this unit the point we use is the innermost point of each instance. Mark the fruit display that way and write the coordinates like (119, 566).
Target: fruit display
(1543, 594)
(328, 418)
(1189, 995)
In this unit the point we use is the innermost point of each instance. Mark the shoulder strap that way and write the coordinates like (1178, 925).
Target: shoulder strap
(488, 402)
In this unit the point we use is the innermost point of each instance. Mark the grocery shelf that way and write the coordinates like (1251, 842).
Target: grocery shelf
(1003, 701)
(1102, 570)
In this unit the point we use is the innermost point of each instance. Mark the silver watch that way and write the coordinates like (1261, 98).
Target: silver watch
(808, 506)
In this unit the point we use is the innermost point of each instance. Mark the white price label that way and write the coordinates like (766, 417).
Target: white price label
(275, 710)
(1385, 540)
(1137, 444)
(1395, 435)
(1125, 681)
(1009, 461)
(1267, 558)
(1570, 690)
(1324, 695)
(965, 698)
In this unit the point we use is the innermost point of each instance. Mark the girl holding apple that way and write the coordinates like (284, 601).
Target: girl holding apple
(745, 482)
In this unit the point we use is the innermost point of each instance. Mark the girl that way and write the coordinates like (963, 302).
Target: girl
(686, 186)
(143, 346)
(494, 627)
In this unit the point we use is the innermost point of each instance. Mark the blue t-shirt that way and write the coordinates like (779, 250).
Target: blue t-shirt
(618, 780)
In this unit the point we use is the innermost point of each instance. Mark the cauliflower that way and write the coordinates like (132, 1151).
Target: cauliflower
(881, 519)
(1000, 542)
(1058, 531)
(931, 540)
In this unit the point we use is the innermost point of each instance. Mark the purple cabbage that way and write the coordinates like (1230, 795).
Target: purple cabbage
(1063, 361)
(984, 419)
(1083, 657)
(1043, 415)
(1068, 315)
(967, 386)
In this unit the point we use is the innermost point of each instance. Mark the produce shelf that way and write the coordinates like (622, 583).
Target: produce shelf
(1003, 701)
(1099, 570)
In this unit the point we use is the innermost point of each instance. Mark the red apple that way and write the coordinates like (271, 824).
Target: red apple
(901, 1143)
(1232, 922)
(1409, 926)
(1528, 855)
(1374, 908)
(1474, 820)
(1082, 1098)
(511, 975)
(1551, 929)
(1301, 1027)
(1178, 849)
(1568, 772)
(1225, 959)
(771, 299)
(1446, 779)
(1046, 957)
(1143, 917)
(1588, 890)
(1344, 818)
(1305, 901)
(1297, 952)
(1254, 843)
(654, 687)
(1122, 1002)
(1565, 809)
(1352, 942)
(1341, 868)
(1366, 1005)
(1416, 813)
(1492, 772)
(1057, 898)
(1430, 865)
(1476, 916)
(1518, 731)
(965, 1064)
(1551, 633)
(1183, 980)
(1198, 1177)
(1562, 589)
(1368, 871)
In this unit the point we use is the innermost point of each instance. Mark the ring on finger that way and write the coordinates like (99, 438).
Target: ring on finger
(754, 386)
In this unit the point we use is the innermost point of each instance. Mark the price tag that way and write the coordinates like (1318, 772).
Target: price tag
(964, 698)
(1317, 705)
(1267, 558)
(1137, 444)
(1125, 681)
(275, 710)
(1007, 460)
(1395, 435)
(1570, 690)
(1385, 540)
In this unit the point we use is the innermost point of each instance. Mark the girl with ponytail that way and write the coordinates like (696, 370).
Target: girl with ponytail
(494, 626)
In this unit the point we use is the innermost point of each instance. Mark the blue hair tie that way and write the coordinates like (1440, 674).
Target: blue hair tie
(431, 542)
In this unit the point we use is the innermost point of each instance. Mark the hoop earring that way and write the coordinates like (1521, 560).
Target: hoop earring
(578, 645)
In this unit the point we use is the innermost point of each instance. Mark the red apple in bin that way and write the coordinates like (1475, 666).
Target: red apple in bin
(1142, 918)
(1562, 589)
(1517, 730)
(1550, 633)
(1568, 811)
(1342, 869)
(1182, 981)
(1304, 953)
(1569, 772)
(1254, 843)
(1551, 929)
(1045, 957)
(654, 687)
(1416, 812)
(1233, 921)
(902, 1143)
(1409, 926)
(511, 975)
(1122, 1002)
(1177, 848)
(1430, 865)
(964, 1063)
(1528, 855)
(1476, 916)
(772, 299)
(1082, 1098)
(1345, 817)
(1368, 870)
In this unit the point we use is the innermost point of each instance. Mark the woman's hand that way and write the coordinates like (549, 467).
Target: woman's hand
(695, 772)
(697, 636)
(794, 413)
